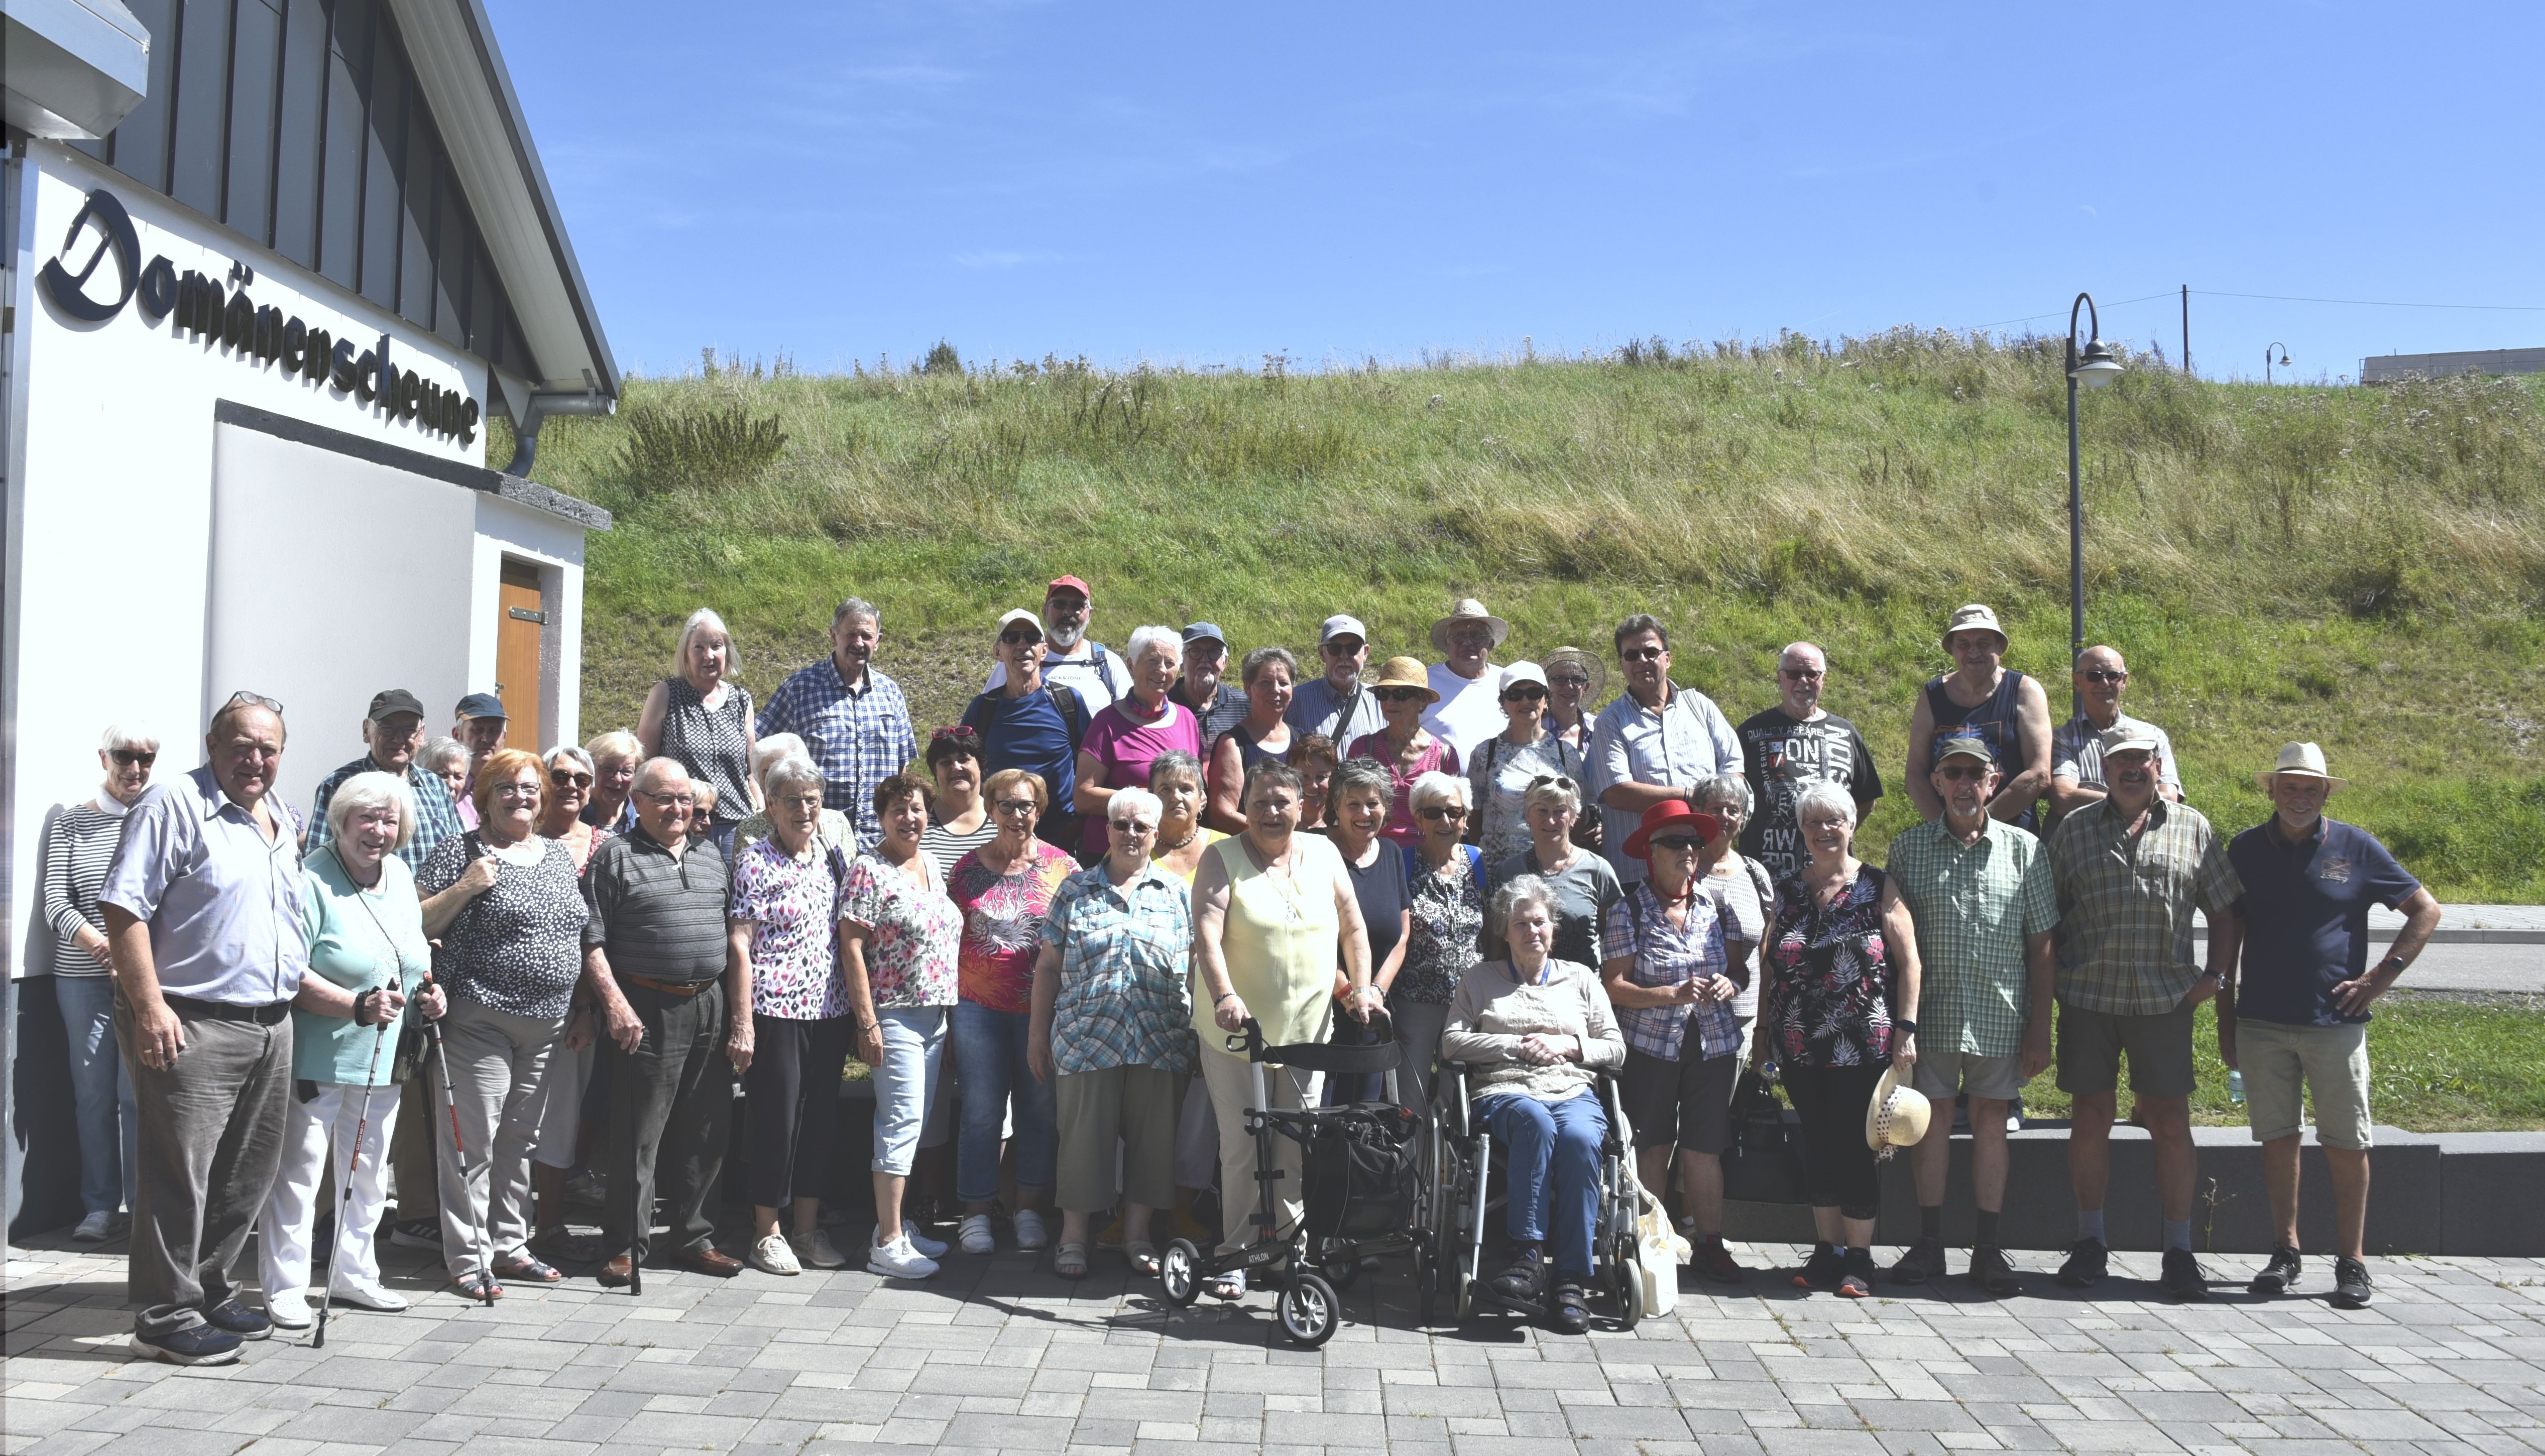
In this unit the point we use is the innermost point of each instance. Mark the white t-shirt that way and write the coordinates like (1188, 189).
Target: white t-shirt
(1470, 709)
(1099, 687)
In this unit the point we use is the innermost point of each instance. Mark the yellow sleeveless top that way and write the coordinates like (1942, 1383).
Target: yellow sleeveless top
(1279, 941)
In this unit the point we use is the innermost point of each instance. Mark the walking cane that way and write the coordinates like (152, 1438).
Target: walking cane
(451, 1106)
(336, 1239)
(640, 1216)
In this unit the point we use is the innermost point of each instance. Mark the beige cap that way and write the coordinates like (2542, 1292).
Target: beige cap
(2126, 735)
(1020, 614)
(2303, 760)
(1975, 616)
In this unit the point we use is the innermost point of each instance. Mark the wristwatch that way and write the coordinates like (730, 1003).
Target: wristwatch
(1904, 1026)
(2396, 962)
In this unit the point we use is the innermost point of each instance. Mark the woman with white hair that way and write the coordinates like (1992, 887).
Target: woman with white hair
(1124, 739)
(615, 758)
(702, 717)
(833, 828)
(1536, 1030)
(81, 848)
(446, 759)
(1112, 1031)
(367, 956)
(1585, 885)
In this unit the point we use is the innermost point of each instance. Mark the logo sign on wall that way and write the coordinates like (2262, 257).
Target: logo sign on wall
(220, 312)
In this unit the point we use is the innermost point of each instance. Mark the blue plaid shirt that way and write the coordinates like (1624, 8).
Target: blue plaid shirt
(436, 817)
(1668, 956)
(859, 736)
(1124, 999)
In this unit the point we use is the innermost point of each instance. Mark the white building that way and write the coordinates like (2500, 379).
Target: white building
(271, 269)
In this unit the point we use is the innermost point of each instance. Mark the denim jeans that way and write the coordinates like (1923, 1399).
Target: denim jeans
(990, 1054)
(100, 1092)
(1553, 1161)
(914, 1053)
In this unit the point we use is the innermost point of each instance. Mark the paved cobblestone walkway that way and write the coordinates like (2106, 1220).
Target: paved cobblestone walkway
(998, 1354)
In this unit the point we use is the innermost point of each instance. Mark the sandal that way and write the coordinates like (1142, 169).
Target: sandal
(1231, 1285)
(1069, 1261)
(1143, 1256)
(478, 1288)
(527, 1268)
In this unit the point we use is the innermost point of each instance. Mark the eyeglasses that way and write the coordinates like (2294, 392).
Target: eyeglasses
(1677, 842)
(1803, 675)
(1133, 827)
(2101, 674)
(1400, 694)
(1019, 638)
(1017, 806)
(1443, 813)
(128, 756)
(683, 800)
(517, 790)
(1958, 773)
(1525, 692)
(563, 780)
(1644, 654)
(246, 699)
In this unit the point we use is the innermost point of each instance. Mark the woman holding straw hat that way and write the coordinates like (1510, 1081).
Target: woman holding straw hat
(1409, 750)
(1840, 1007)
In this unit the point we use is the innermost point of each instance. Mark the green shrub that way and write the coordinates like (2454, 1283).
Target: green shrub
(713, 450)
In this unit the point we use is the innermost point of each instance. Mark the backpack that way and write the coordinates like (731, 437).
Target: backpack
(1073, 711)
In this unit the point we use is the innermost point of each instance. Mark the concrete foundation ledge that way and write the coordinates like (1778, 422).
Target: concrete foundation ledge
(2462, 1193)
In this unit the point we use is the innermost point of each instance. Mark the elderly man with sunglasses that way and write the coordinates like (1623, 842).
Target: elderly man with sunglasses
(2077, 746)
(1792, 746)
(853, 720)
(1072, 658)
(1655, 743)
(1339, 704)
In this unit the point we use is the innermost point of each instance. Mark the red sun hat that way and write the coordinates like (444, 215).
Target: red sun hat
(1665, 817)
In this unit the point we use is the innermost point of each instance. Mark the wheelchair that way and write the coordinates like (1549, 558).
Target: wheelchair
(1469, 1204)
(1365, 1191)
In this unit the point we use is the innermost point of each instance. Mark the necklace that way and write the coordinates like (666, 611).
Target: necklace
(1190, 835)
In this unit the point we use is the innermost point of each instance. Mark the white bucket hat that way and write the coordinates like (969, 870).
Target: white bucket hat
(1977, 616)
(2305, 759)
(1897, 1117)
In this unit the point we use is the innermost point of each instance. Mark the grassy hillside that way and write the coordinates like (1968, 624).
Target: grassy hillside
(2361, 566)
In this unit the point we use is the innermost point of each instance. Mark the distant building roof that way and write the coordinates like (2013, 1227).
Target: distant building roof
(2387, 369)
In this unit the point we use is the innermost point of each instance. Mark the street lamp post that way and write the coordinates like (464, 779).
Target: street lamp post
(2095, 367)
(2282, 349)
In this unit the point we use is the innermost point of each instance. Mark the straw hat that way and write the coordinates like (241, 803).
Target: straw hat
(1976, 616)
(1405, 672)
(1591, 668)
(2304, 759)
(1897, 1117)
(1468, 610)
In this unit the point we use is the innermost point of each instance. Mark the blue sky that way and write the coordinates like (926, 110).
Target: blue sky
(1211, 183)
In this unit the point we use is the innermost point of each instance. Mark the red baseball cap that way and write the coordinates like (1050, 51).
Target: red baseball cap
(1069, 584)
(1671, 815)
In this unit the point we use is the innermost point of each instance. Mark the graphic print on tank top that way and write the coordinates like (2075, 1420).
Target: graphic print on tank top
(1992, 722)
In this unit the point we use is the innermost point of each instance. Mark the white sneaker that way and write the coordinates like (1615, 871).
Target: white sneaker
(932, 1248)
(1030, 1230)
(773, 1256)
(369, 1297)
(898, 1260)
(815, 1251)
(975, 1235)
(92, 1229)
(288, 1310)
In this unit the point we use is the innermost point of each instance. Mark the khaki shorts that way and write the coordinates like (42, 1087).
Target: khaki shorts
(1945, 1073)
(2093, 1043)
(2329, 1061)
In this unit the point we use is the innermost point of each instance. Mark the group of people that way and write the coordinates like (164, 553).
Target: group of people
(480, 968)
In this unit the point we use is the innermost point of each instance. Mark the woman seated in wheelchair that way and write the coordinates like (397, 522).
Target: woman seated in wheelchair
(1535, 1032)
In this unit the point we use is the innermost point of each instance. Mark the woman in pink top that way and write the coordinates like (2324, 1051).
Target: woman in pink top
(1124, 739)
(1404, 690)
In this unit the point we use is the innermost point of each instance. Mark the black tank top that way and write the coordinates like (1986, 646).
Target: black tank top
(1992, 723)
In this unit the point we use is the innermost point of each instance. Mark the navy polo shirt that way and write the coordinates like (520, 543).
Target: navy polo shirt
(2306, 918)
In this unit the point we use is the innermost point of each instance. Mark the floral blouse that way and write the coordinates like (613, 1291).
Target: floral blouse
(1828, 976)
(792, 907)
(1003, 923)
(912, 932)
(1448, 925)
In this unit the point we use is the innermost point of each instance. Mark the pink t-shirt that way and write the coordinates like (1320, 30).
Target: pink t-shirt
(1442, 755)
(1125, 748)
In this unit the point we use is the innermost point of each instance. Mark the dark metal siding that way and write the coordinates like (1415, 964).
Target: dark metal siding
(299, 124)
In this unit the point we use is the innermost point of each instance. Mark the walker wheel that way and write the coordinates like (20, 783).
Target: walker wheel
(1308, 1308)
(1180, 1273)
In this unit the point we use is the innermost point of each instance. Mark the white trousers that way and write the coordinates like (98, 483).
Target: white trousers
(317, 1136)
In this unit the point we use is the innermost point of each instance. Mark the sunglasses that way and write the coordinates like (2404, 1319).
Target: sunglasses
(2101, 674)
(1803, 675)
(563, 780)
(1961, 772)
(1340, 647)
(1017, 806)
(954, 735)
(1019, 638)
(1133, 826)
(1440, 814)
(1560, 780)
(1678, 841)
(1525, 692)
(1401, 695)
(1644, 654)
(128, 756)
(1567, 679)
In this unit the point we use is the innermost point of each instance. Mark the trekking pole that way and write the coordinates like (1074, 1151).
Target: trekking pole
(352, 1160)
(459, 1150)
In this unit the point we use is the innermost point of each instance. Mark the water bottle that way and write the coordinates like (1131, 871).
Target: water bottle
(2236, 1087)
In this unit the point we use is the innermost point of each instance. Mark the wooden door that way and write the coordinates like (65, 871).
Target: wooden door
(522, 627)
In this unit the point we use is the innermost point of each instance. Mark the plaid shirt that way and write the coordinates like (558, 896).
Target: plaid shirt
(2125, 904)
(436, 817)
(1664, 956)
(1123, 999)
(858, 735)
(1974, 906)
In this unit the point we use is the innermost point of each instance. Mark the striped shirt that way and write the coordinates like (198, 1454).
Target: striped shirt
(436, 818)
(859, 736)
(2125, 904)
(655, 915)
(84, 839)
(1974, 905)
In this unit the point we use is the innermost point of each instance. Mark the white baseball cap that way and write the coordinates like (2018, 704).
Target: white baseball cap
(1339, 625)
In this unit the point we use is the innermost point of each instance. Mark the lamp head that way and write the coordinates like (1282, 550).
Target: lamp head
(2096, 366)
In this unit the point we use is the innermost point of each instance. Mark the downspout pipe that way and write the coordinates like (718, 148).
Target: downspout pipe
(526, 425)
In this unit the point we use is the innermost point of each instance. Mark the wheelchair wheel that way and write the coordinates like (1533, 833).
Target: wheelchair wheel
(1180, 1273)
(1427, 1283)
(1308, 1308)
(1626, 1278)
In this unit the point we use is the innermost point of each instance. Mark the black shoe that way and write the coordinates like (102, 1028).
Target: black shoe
(1822, 1270)
(1924, 1260)
(239, 1319)
(1858, 1280)
(1525, 1279)
(1991, 1270)
(2351, 1288)
(2280, 1275)
(1570, 1315)
(195, 1344)
(2087, 1264)
(2182, 1280)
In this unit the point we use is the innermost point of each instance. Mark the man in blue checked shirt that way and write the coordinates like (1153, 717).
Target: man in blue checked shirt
(391, 732)
(852, 717)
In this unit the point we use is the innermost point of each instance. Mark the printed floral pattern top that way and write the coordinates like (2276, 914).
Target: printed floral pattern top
(793, 905)
(1002, 922)
(1828, 976)
(912, 932)
(1447, 936)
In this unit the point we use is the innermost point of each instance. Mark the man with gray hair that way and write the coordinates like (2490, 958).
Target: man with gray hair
(393, 731)
(2077, 746)
(853, 720)
(1795, 744)
(202, 908)
(1072, 658)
